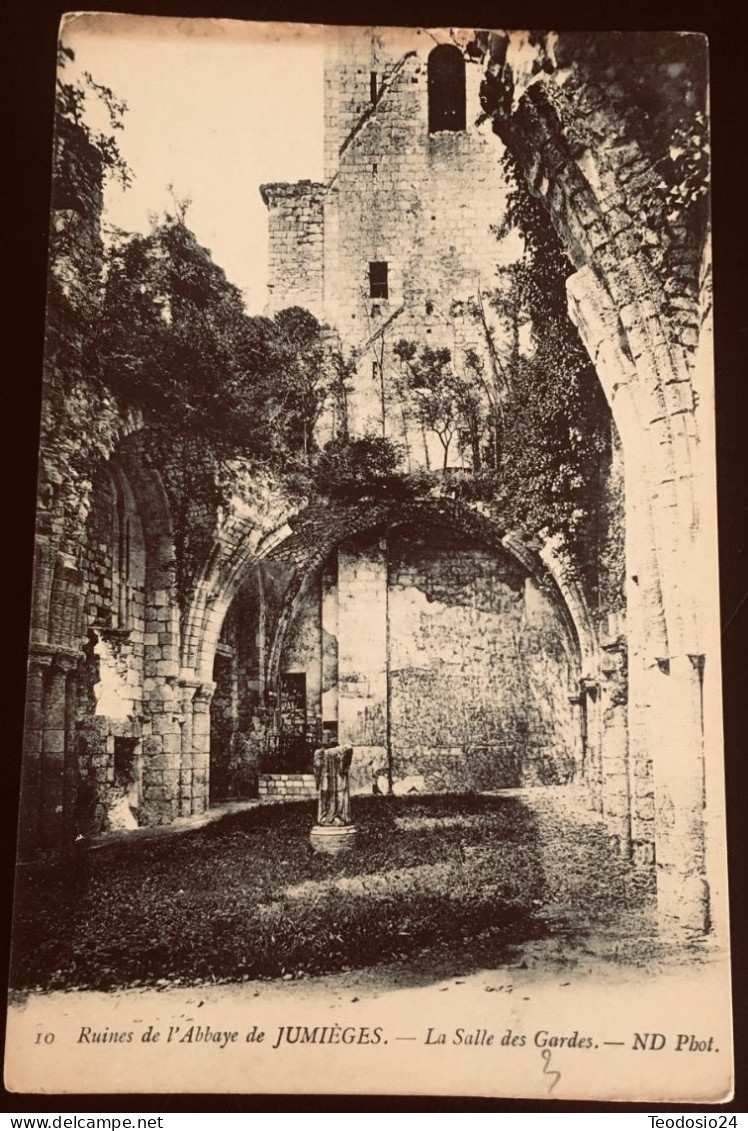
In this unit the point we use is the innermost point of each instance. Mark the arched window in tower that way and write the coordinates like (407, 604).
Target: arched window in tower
(446, 86)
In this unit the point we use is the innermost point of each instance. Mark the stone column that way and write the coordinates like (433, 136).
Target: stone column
(161, 755)
(56, 725)
(647, 637)
(592, 768)
(665, 568)
(44, 569)
(362, 657)
(666, 772)
(70, 783)
(201, 747)
(31, 770)
(682, 890)
(616, 802)
(187, 691)
(579, 724)
(641, 785)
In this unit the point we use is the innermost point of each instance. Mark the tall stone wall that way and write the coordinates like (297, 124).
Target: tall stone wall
(450, 656)
(110, 700)
(423, 203)
(480, 670)
(362, 654)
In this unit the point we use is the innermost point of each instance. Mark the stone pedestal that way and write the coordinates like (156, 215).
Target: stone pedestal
(333, 839)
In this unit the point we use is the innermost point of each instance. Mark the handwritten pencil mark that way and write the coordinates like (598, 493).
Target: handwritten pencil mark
(548, 1071)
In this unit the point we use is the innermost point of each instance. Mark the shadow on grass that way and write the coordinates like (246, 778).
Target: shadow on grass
(246, 897)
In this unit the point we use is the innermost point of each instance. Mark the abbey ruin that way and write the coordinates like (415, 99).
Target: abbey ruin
(198, 629)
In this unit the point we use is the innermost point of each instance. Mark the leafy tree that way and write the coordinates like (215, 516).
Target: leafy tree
(342, 370)
(353, 469)
(82, 159)
(77, 410)
(303, 382)
(471, 406)
(446, 401)
(177, 339)
(534, 404)
(80, 149)
(170, 322)
(662, 100)
(659, 100)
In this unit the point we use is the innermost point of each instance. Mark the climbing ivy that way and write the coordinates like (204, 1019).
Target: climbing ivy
(657, 84)
(556, 427)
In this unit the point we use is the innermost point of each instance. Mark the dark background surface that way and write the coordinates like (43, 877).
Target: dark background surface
(29, 33)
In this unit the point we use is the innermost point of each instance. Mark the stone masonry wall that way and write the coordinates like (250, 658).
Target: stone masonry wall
(287, 787)
(480, 675)
(295, 231)
(110, 699)
(451, 653)
(423, 203)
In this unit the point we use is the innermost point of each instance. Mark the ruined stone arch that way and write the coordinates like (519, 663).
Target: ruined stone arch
(131, 634)
(74, 616)
(238, 544)
(301, 556)
(640, 342)
(553, 575)
(307, 541)
(242, 546)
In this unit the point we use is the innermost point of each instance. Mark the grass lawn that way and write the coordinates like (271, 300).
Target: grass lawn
(246, 897)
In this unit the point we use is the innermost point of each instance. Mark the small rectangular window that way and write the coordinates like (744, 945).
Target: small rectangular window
(378, 285)
(124, 759)
(373, 86)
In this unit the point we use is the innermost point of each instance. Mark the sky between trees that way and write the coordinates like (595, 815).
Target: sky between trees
(215, 108)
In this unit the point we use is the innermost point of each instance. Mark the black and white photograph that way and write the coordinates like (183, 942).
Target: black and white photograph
(373, 733)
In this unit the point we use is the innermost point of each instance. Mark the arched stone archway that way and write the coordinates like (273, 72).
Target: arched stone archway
(105, 631)
(634, 301)
(307, 537)
(300, 548)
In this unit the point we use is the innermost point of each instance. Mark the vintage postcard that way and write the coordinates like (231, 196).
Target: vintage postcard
(373, 725)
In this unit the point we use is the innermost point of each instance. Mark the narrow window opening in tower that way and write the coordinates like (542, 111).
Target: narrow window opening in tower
(446, 87)
(373, 92)
(378, 280)
(124, 759)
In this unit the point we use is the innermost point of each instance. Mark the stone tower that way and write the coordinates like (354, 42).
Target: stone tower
(397, 239)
